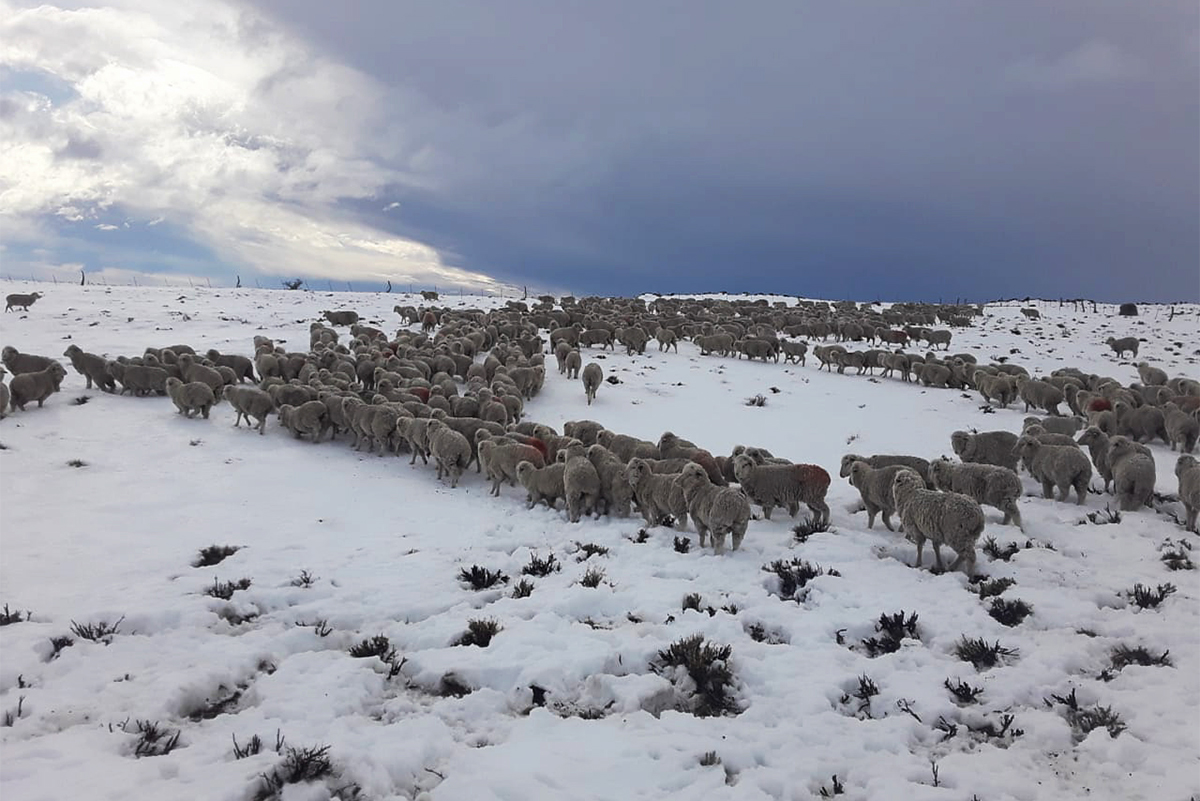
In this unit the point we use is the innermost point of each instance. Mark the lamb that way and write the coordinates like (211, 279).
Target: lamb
(194, 371)
(1182, 428)
(500, 458)
(250, 402)
(999, 389)
(717, 511)
(1133, 474)
(542, 484)
(451, 451)
(242, 366)
(874, 485)
(1055, 425)
(943, 518)
(657, 494)
(1039, 394)
(24, 301)
(1119, 346)
(37, 386)
(581, 484)
(1187, 470)
(915, 463)
(1057, 466)
(18, 362)
(311, 418)
(191, 397)
(772, 485)
(989, 485)
(139, 379)
(987, 447)
(4, 397)
(592, 376)
(92, 367)
(1143, 423)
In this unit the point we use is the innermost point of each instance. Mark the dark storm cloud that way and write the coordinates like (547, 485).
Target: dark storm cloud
(898, 150)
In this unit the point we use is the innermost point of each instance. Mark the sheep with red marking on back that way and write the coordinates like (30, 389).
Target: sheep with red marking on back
(784, 485)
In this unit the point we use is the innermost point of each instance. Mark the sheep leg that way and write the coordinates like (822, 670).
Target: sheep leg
(718, 540)
(937, 557)
(739, 534)
(873, 510)
(920, 540)
(1047, 489)
(767, 511)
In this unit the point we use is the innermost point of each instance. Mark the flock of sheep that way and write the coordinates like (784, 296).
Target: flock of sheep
(455, 392)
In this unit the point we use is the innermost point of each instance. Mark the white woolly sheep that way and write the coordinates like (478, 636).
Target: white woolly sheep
(542, 484)
(1098, 444)
(626, 447)
(309, 418)
(717, 511)
(1068, 426)
(18, 362)
(191, 397)
(998, 389)
(581, 483)
(989, 485)
(658, 494)
(1039, 394)
(36, 386)
(24, 301)
(499, 459)
(1143, 424)
(987, 447)
(242, 366)
(592, 377)
(572, 364)
(586, 431)
(451, 451)
(874, 485)
(1187, 470)
(1150, 375)
(415, 431)
(1119, 346)
(943, 518)
(671, 446)
(92, 367)
(1057, 466)
(139, 379)
(784, 485)
(3, 395)
(1133, 474)
(1182, 428)
(250, 402)
(192, 370)
(616, 495)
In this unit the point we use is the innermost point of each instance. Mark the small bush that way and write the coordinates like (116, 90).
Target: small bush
(667, 521)
(96, 632)
(154, 741)
(451, 686)
(7, 618)
(299, 765)
(225, 589)
(305, 580)
(989, 729)
(1009, 613)
(642, 537)
(1002, 554)
(806, 528)
(707, 665)
(963, 693)
(590, 549)
(592, 577)
(837, 789)
(1177, 559)
(980, 654)
(757, 400)
(1123, 656)
(11, 717)
(320, 627)
(867, 689)
(522, 589)
(1086, 719)
(892, 630)
(795, 574)
(81, 400)
(214, 555)
(990, 588)
(57, 644)
(1103, 517)
(692, 600)
(480, 578)
(479, 632)
(378, 645)
(541, 567)
(683, 544)
(76, 463)
(1146, 598)
(709, 759)
(252, 747)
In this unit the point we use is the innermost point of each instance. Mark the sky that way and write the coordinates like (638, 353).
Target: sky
(869, 150)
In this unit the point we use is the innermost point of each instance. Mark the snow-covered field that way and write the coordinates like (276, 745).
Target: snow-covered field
(114, 540)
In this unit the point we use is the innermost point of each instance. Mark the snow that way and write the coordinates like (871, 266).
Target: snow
(115, 539)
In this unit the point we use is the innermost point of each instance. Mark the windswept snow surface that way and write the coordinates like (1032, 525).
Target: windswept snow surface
(115, 539)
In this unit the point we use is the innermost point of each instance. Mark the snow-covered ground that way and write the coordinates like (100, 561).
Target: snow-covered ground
(115, 539)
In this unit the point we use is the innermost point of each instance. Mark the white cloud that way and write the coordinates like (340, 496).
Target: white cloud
(203, 114)
(105, 227)
(1096, 61)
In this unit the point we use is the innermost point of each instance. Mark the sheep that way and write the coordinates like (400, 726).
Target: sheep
(592, 376)
(1133, 474)
(915, 463)
(572, 364)
(998, 389)
(374, 424)
(1150, 375)
(672, 447)
(92, 367)
(581, 484)
(250, 402)
(1187, 470)
(341, 317)
(626, 447)
(1097, 441)
(451, 450)
(993, 486)
(138, 379)
(24, 301)
(657, 494)
(1068, 426)
(667, 339)
(616, 494)
(1182, 428)
(717, 511)
(1039, 394)
(585, 431)
(4, 397)
(415, 431)
(18, 362)
(715, 343)
(784, 485)
(1143, 423)
(1046, 438)
(943, 518)
(194, 371)
(1057, 466)
(500, 458)
(191, 397)
(311, 418)
(874, 486)
(1119, 346)
(37, 386)
(242, 366)
(542, 484)
(1032, 314)
(794, 351)
(934, 375)
(987, 447)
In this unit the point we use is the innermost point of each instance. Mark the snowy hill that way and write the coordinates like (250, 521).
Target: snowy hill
(564, 702)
